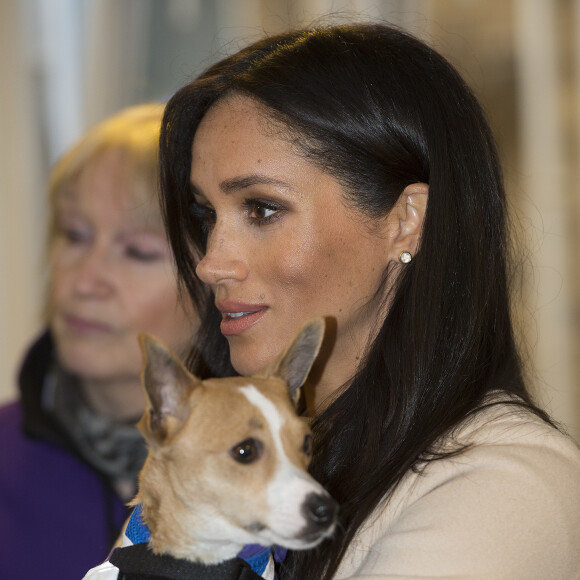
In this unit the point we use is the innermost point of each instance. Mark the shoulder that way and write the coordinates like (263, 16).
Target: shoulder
(505, 507)
(10, 426)
(10, 414)
(39, 467)
(47, 496)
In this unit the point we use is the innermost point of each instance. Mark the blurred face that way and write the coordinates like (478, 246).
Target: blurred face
(111, 276)
(282, 245)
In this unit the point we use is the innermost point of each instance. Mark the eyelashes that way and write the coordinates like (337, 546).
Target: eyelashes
(73, 235)
(141, 255)
(202, 214)
(258, 213)
(203, 218)
(262, 212)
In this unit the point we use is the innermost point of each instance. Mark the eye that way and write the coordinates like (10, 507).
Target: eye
(307, 445)
(144, 245)
(73, 226)
(73, 235)
(142, 255)
(247, 451)
(204, 215)
(262, 212)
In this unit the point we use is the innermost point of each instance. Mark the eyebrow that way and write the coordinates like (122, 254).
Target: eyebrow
(67, 194)
(239, 183)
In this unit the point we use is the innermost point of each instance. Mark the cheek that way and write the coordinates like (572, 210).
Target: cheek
(151, 304)
(58, 285)
(335, 275)
(155, 308)
(311, 271)
(62, 262)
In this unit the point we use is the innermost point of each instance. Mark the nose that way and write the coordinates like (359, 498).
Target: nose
(320, 511)
(92, 276)
(223, 259)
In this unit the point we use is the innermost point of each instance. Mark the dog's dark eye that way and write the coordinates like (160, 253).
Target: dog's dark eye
(307, 446)
(246, 451)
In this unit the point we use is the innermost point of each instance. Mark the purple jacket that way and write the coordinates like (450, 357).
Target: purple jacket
(58, 516)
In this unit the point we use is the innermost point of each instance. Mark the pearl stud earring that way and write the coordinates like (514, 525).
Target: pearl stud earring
(405, 257)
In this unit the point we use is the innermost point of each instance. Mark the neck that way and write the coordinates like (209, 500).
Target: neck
(332, 370)
(321, 390)
(336, 365)
(204, 552)
(120, 399)
(206, 537)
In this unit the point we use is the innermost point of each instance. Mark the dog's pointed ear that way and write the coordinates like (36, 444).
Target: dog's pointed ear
(167, 385)
(295, 362)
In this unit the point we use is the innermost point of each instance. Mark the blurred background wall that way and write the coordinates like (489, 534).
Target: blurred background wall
(65, 64)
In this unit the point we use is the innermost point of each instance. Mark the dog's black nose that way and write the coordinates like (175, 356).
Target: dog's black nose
(320, 510)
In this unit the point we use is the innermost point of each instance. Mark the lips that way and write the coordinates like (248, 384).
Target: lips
(239, 317)
(85, 326)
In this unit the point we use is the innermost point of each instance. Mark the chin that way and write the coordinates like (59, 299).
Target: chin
(90, 365)
(248, 362)
(243, 368)
(85, 371)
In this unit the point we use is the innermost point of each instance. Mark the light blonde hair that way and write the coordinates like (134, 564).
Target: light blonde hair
(133, 131)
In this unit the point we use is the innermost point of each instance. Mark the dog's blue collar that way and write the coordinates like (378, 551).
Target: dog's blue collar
(136, 530)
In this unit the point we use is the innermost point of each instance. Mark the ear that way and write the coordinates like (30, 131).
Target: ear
(167, 385)
(409, 211)
(295, 362)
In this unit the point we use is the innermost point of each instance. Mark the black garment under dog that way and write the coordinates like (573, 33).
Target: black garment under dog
(138, 562)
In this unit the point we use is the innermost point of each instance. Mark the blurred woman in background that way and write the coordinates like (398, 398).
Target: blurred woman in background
(69, 449)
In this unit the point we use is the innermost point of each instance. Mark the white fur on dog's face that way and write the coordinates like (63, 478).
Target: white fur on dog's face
(191, 484)
(290, 486)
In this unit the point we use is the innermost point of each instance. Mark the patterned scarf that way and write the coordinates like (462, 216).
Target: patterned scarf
(117, 450)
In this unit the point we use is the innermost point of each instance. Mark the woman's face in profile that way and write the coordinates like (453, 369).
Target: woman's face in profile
(282, 244)
(111, 276)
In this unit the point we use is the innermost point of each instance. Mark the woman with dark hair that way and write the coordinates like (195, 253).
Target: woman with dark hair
(349, 172)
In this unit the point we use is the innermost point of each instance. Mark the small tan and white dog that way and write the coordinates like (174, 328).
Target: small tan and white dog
(228, 458)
